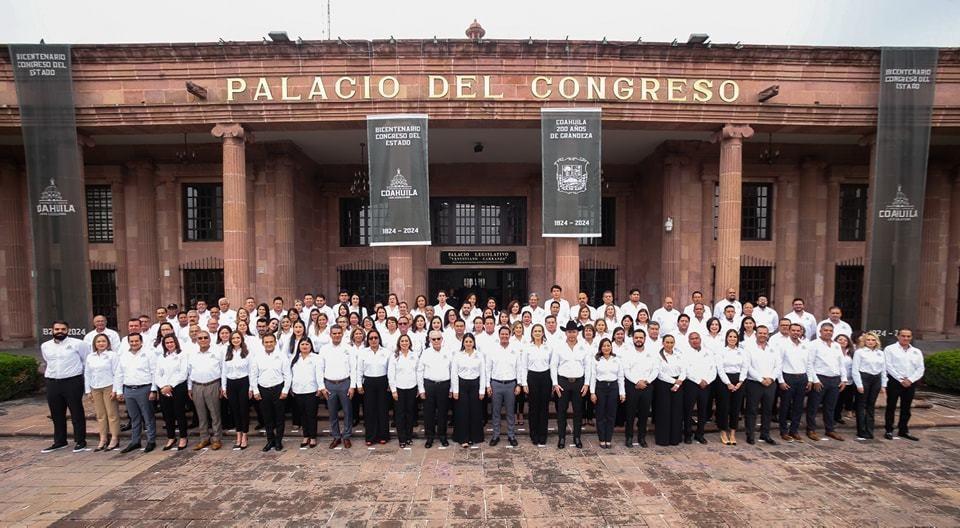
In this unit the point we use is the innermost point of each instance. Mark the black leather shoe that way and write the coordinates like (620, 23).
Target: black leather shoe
(751, 440)
(80, 446)
(577, 442)
(512, 441)
(909, 436)
(769, 440)
(444, 442)
(267, 447)
(687, 440)
(628, 442)
(53, 448)
(494, 441)
(561, 443)
(278, 445)
(701, 439)
(888, 436)
(643, 442)
(429, 443)
(129, 448)
(150, 447)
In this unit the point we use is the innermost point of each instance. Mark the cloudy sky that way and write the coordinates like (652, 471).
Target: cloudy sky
(800, 22)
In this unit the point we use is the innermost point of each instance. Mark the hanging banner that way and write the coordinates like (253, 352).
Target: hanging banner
(907, 77)
(570, 161)
(55, 186)
(399, 181)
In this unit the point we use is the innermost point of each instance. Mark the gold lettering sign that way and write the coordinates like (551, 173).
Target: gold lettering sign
(482, 87)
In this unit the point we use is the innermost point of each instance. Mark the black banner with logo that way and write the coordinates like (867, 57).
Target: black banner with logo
(570, 161)
(399, 180)
(55, 186)
(907, 77)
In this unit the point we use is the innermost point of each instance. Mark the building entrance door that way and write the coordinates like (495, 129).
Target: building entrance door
(503, 285)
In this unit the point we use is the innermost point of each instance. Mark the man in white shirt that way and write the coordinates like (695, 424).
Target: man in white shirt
(270, 380)
(64, 358)
(794, 383)
(904, 369)
(487, 340)
(338, 373)
(699, 318)
(570, 369)
(804, 319)
(324, 308)
(133, 384)
(228, 317)
(172, 311)
(203, 314)
(100, 327)
(640, 369)
(782, 333)
(654, 342)
(729, 320)
(829, 377)
(632, 306)
(533, 306)
(582, 301)
(555, 295)
(763, 314)
(762, 374)
(503, 367)
(666, 316)
(203, 387)
(697, 297)
(601, 310)
(701, 370)
(467, 313)
(160, 317)
(730, 300)
(840, 327)
(440, 309)
(433, 381)
(552, 334)
(277, 312)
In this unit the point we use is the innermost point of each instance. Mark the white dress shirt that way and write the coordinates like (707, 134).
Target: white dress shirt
(435, 365)
(503, 363)
(536, 358)
(722, 305)
(337, 362)
(204, 367)
(564, 314)
(607, 369)
(839, 328)
(767, 317)
(305, 374)
(764, 362)
(402, 371)
(172, 369)
(707, 312)
(273, 314)
(269, 370)
(570, 362)
(135, 368)
(440, 310)
(794, 358)
(469, 367)
(639, 365)
(64, 359)
(486, 342)
(628, 308)
(667, 320)
(671, 367)
(869, 361)
(904, 363)
(807, 321)
(235, 368)
(826, 359)
(98, 370)
(699, 365)
(537, 314)
(111, 334)
(732, 361)
(371, 363)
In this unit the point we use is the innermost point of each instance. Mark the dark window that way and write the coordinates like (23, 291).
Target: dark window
(757, 205)
(202, 212)
(99, 214)
(848, 293)
(595, 281)
(357, 220)
(202, 284)
(103, 286)
(853, 212)
(608, 225)
(755, 281)
(478, 221)
(371, 284)
(716, 209)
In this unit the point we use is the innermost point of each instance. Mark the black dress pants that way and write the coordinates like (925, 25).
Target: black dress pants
(376, 418)
(538, 384)
(694, 394)
(174, 410)
(896, 392)
(63, 394)
(306, 412)
(272, 407)
(637, 409)
(570, 394)
(435, 408)
(668, 410)
(468, 413)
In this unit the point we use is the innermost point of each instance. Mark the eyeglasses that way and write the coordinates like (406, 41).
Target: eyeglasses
(436, 339)
(203, 338)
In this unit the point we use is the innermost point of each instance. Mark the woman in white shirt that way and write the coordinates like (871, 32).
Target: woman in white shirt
(420, 306)
(643, 317)
(517, 335)
(668, 405)
(372, 377)
(402, 376)
(868, 371)
(305, 387)
(355, 306)
(606, 390)
(513, 311)
(98, 380)
(235, 386)
(602, 327)
(284, 334)
(393, 306)
(467, 385)
(171, 382)
(610, 316)
(732, 365)
(535, 369)
(418, 332)
(713, 338)
(847, 399)
(380, 319)
(748, 330)
(298, 332)
(584, 317)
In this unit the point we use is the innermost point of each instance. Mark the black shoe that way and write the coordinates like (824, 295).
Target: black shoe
(53, 448)
(278, 445)
(512, 441)
(687, 440)
(129, 448)
(577, 442)
(80, 446)
(751, 440)
(888, 436)
(561, 443)
(444, 442)
(701, 439)
(768, 440)
(909, 436)
(267, 447)
(494, 441)
(429, 443)
(628, 442)
(150, 447)
(125, 427)
(643, 442)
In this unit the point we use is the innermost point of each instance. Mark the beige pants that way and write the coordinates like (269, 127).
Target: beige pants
(108, 412)
(206, 398)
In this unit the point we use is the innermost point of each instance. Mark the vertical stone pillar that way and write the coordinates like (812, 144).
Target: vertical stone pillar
(400, 262)
(811, 233)
(236, 270)
(16, 319)
(708, 187)
(567, 260)
(141, 232)
(869, 140)
(950, 321)
(831, 241)
(168, 238)
(674, 263)
(934, 251)
(283, 170)
(787, 231)
(729, 219)
(118, 196)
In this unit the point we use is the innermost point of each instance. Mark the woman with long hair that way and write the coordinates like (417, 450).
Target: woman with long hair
(748, 330)
(235, 385)
(171, 382)
(468, 381)
(626, 322)
(305, 387)
(450, 317)
(402, 377)
(668, 395)
(419, 306)
(263, 312)
(584, 316)
(356, 307)
(732, 365)
(713, 338)
(869, 373)
(847, 399)
(535, 369)
(643, 317)
(606, 390)
(513, 311)
(372, 364)
(98, 370)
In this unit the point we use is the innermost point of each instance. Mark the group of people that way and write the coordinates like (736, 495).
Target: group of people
(617, 364)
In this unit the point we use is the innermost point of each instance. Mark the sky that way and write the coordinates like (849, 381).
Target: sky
(793, 22)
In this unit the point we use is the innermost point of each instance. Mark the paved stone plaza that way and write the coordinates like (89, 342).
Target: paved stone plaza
(878, 483)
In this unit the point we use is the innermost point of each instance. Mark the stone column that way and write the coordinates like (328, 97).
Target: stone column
(118, 195)
(16, 320)
(953, 257)
(236, 271)
(934, 251)
(674, 262)
(567, 261)
(811, 232)
(141, 232)
(708, 186)
(831, 241)
(400, 262)
(729, 218)
(283, 170)
(168, 238)
(788, 225)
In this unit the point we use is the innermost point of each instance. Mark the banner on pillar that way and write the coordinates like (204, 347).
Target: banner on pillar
(55, 186)
(570, 161)
(907, 77)
(399, 180)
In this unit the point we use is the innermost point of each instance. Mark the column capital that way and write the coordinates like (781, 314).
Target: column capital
(867, 140)
(231, 130)
(732, 131)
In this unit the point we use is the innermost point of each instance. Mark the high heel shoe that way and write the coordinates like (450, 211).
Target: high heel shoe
(723, 438)
(170, 445)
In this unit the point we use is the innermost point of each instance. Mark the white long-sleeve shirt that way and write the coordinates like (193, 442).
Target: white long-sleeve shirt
(305, 374)
(869, 361)
(98, 370)
(839, 328)
(699, 365)
(204, 367)
(111, 334)
(807, 321)
(469, 367)
(135, 368)
(794, 358)
(337, 362)
(764, 362)
(371, 364)
(64, 359)
(435, 365)
(671, 367)
(172, 369)
(236, 368)
(402, 371)
(667, 320)
(904, 363)
(722, 305)
(826, 359)
(569, 362)
(607, 369)
(534, 358)
(732, 361)
(503, 363)
(639, 365)
(269, 370)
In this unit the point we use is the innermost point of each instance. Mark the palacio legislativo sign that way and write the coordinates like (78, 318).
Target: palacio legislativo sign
(481, 87)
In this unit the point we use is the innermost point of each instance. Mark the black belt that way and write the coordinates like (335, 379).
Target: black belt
(335, 382)
(135, 387)
(430, 381)
(607, 382)
(573, 380)
(195, 383)
(505, 382)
